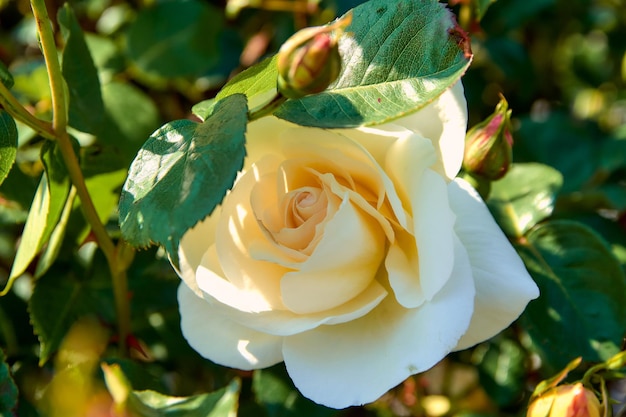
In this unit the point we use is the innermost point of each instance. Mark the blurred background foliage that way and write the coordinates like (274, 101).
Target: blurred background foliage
(561, 64)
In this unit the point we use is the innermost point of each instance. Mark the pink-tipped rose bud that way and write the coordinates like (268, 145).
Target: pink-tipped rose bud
(309, 61)
(488, 145)
(566, 401)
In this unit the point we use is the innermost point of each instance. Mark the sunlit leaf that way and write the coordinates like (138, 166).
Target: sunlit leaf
(258, 83)
(52, 249)
(396, 56)
(524, 197)
(182, 173)
(33, 233)
(220, 403)
(581, 310)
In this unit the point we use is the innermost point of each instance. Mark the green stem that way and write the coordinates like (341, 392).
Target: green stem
(50, 54)
(59, 125)
(18, 112)
(268, 108)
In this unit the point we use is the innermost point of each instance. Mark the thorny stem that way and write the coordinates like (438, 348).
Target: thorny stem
(59, 127)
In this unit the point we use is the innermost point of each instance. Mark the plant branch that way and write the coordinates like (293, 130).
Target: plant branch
(59, 125)
(10, 104)
(50, 54)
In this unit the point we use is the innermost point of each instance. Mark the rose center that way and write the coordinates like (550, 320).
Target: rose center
(303, 204)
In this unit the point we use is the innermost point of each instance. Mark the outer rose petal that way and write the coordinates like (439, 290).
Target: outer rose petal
(356, 362)
(192, 247)
(221, 340)
(444, 121)
(503, 286)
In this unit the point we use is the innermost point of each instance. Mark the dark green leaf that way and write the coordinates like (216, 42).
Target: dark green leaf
(175, 39)
(502, 369)
(581, 310)
(398, 57)
(563, 143)
(86, 109)
(8, 144)
(524, 197)
(133, 114)
(278, 396)
(65, 293)
(5, 76)
(481, 7)
(8, 390)
(182, 173)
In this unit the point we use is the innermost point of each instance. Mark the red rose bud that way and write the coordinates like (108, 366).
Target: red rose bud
(309, 61)
(488, 145)
(566, 401)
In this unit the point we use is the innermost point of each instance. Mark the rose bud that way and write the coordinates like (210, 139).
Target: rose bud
(488, 145)
(566, 401)
(309, 61)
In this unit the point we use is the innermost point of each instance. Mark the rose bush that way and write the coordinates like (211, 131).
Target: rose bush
(352, 255)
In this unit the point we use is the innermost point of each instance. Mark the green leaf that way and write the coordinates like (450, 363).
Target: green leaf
(481, 7)
(52, 249)
(397, 57)
(33, 233)
(65, 293)
(58, 183)
(8, 390)
(5, 76)
(524, 197)
(86, 109)
(8, 144)
(569, 145)
(131, 117)
(175, 39)
(278, 396)
(501, 367)
(258, 83)
(220, 403)
(581, 310)
(182, 173)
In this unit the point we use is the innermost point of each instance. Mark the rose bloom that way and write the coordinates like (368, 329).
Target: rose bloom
(352, 255)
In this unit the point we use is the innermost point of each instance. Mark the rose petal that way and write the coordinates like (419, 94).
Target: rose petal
(444, 121)
(424, 192)
(192, 247)
(402, 265)
(236, 304)
(356, 362)
(251, 310)
(238, 230)
(221, 340)
(377, 143)
(503, 286)
(343, 264)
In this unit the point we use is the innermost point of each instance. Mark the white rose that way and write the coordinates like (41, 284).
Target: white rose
(351, 255)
